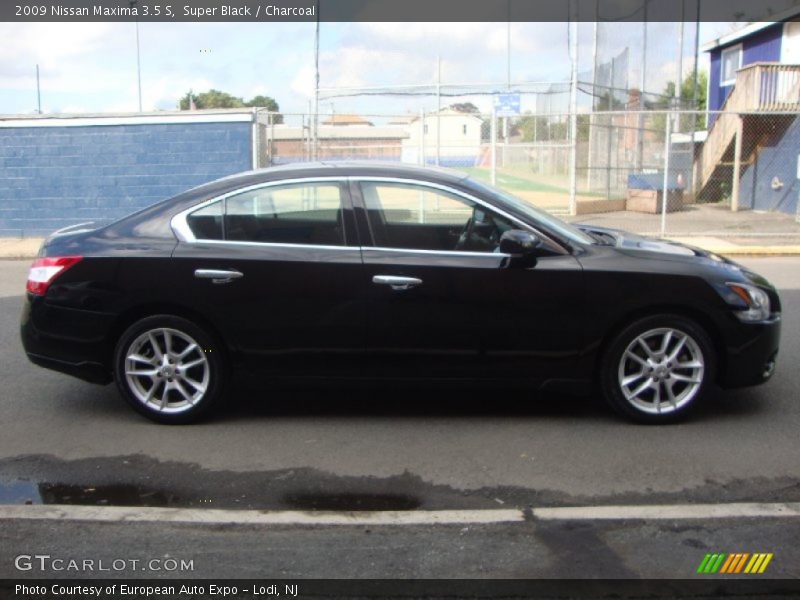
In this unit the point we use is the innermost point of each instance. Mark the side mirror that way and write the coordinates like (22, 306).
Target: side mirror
(522, 246)
(519, 243)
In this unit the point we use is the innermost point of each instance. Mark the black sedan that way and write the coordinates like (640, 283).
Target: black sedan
(358, 270)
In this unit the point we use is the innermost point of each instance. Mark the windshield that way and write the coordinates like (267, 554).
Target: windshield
(550, 222)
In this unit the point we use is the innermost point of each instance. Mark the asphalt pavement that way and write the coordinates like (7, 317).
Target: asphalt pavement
(69, 442)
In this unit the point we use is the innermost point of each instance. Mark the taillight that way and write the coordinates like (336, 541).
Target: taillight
(45, 270)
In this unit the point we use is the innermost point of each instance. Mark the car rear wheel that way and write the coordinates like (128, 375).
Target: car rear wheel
(169, 369)
(658, 369)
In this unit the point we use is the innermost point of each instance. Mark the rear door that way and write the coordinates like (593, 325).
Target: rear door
(277, 268)
(444, 302)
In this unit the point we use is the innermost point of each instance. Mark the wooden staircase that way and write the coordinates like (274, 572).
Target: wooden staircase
(761, 91)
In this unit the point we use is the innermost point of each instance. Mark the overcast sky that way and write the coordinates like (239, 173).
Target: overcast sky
(91, 67)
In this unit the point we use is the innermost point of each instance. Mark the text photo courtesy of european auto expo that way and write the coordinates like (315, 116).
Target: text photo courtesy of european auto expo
(425, 299)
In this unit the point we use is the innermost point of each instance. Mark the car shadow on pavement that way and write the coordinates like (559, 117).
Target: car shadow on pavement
(458, 400)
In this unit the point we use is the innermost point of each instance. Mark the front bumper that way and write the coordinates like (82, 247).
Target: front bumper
(751, 358)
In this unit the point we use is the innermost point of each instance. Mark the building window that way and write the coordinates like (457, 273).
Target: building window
(730, 62)
(425, 129)
(464, 129)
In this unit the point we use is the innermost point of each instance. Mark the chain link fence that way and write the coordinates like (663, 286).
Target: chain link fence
(667, 173)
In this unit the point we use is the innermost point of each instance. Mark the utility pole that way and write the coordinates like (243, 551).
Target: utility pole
(438, 109)
(38, 92)
(589, 164)
(573, 109)
(133, 4)
(696, 59)
(315, 134)
(679, 82)
(642, 81)
(508, 78)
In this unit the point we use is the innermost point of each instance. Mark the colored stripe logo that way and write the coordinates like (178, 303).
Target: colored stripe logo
(735, 563)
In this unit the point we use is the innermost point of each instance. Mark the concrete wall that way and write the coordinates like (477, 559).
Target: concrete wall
(53, 176)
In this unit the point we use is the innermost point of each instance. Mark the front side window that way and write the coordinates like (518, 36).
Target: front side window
(289, 214)
(408, 216)
(730, 62)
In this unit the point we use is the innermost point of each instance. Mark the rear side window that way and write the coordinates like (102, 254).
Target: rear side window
(291, 214)
(206, 223)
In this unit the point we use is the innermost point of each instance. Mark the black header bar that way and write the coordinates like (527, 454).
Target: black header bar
(392, 10)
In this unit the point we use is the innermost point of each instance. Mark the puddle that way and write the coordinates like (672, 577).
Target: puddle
(350, 501)
(144, 481)
(19, 492)
(115, 495)
(27, 492)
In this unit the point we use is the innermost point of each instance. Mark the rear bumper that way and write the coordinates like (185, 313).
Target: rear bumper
(67, 340)
(751, 359)
(88, 371)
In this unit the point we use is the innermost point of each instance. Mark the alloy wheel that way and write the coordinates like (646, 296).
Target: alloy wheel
(661, 370)
(167, 370)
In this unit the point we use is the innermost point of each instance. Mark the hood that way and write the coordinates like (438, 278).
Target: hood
(624, 240)
(631, 241)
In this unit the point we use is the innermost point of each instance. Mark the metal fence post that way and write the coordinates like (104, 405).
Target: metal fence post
(665, 193)
(422, 137)
(493, 142)
(737, 163)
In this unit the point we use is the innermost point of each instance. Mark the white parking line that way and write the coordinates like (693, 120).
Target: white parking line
(257, 517)
(734, 510)
(211, 516)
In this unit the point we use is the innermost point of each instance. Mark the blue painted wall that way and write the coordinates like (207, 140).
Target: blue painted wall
(51, 177)
(762, 46)
(777, 159)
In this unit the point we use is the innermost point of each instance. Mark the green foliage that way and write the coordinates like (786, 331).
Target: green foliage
(537, 128)
(217, 99)
(464, 107)
(686, 96)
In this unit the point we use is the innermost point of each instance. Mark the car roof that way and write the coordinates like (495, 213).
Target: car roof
(158, 213)
(341, 169)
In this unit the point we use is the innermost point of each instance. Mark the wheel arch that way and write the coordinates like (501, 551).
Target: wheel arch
(698, 316)
(142, 311)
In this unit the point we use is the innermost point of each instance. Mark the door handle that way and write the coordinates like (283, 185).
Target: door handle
(218, 275)
(397, 283)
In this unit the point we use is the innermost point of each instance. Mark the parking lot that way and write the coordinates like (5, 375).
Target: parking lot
(383, 448)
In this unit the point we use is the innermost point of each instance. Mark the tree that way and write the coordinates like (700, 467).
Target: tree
(542, 128)
(263, 102)
(685, 101)
(464, 107)
(217, 99)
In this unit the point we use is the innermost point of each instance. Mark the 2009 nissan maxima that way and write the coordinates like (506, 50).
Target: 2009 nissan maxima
(388, 271)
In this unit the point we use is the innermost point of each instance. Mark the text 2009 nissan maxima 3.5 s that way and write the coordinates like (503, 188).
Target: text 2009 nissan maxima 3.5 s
(378, 271)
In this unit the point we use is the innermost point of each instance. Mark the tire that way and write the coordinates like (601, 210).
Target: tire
(180, 380)
(648, 385)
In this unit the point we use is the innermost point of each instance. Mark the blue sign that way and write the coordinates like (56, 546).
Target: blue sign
(506, 105)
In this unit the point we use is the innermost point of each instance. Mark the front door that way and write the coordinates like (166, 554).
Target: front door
(444, 302)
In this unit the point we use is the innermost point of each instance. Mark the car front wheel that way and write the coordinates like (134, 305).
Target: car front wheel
(169, 369)
(658, 369)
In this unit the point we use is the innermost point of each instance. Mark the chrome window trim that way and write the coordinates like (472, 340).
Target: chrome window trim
(437, 252)
(183, 232)
(276, 245)
(466, 196)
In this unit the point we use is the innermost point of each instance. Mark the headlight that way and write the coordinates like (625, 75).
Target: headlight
(756, 299)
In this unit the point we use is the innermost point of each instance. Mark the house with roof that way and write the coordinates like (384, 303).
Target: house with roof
(753, 140)
(345, 120)
(447, 137)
